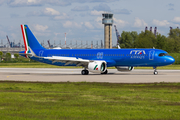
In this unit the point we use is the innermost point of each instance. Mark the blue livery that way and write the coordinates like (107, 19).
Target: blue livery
(95, 60)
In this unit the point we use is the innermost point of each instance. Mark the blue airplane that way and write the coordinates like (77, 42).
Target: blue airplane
(94, 60)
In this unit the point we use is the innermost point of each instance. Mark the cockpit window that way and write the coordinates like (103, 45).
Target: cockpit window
(163, 54)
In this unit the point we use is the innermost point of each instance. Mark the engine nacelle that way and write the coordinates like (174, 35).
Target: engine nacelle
(124, 68)
(97, 66)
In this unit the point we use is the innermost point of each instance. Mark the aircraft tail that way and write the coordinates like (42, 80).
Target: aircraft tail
(30, 40)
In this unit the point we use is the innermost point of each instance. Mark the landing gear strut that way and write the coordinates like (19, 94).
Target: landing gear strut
(84, 72)
(155, 71)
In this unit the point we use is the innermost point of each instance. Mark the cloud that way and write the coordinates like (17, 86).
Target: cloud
(83, 14)
(95, 12)
(171, 5)
(59, 2)
(63, 16)
(14, 15)
(44, 12)
(41, 28)
(53, 14)
(80, 8)
(120, 23)
(50, 11)
(176, 19)
(13, 35)
(102, 7)
(100, 0)
(22, 3)
(139, 23)
(98, 22)
(88, 25)
(160, 23)
(2, 33)
(69, 24)
(171, 9)
(69, 2)
(2, 1)
(122, 11)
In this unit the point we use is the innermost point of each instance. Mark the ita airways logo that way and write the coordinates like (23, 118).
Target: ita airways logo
(138, 52)
(95, 68)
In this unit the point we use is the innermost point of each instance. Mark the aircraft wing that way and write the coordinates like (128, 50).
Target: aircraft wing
(69, 60)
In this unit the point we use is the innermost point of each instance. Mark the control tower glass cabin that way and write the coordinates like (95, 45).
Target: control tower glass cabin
(107, 21)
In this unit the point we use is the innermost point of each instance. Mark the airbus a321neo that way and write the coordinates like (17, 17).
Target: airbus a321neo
(94, 60)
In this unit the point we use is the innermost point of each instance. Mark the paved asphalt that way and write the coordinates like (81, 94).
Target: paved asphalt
(74, 75)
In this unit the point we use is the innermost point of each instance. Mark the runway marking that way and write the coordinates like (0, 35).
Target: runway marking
(15, 75)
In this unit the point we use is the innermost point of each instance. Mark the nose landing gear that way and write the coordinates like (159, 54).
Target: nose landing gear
(155, 71)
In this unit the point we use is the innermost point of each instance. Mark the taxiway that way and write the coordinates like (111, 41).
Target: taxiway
(74, 75)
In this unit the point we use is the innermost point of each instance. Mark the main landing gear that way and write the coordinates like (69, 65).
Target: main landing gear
(155, 71)
(84, 72)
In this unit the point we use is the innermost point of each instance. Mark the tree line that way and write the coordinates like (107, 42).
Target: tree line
(7, 58)
(146, 39)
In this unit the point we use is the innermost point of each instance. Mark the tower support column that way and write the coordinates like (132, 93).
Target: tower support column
(107, 21)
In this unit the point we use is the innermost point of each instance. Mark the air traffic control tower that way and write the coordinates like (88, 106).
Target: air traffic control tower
(107, 21)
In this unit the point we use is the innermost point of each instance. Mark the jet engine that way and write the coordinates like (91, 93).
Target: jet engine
(97, 66)
(124, 68)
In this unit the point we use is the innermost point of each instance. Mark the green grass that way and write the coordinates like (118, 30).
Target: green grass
(20, 100)
(31, 65)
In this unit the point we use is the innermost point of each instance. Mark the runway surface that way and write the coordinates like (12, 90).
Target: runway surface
(74, 75)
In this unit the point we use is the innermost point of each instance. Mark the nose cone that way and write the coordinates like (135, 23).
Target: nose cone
(171, 60)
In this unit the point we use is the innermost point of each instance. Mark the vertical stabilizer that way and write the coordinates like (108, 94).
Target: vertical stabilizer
(29, 39)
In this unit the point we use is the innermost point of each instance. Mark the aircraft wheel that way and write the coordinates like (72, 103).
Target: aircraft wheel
(87, 72)
(84, 72)
(155, 72)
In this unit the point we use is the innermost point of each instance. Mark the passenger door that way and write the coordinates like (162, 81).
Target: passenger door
(151, 55)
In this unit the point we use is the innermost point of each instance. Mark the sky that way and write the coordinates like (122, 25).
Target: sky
(81, 20)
